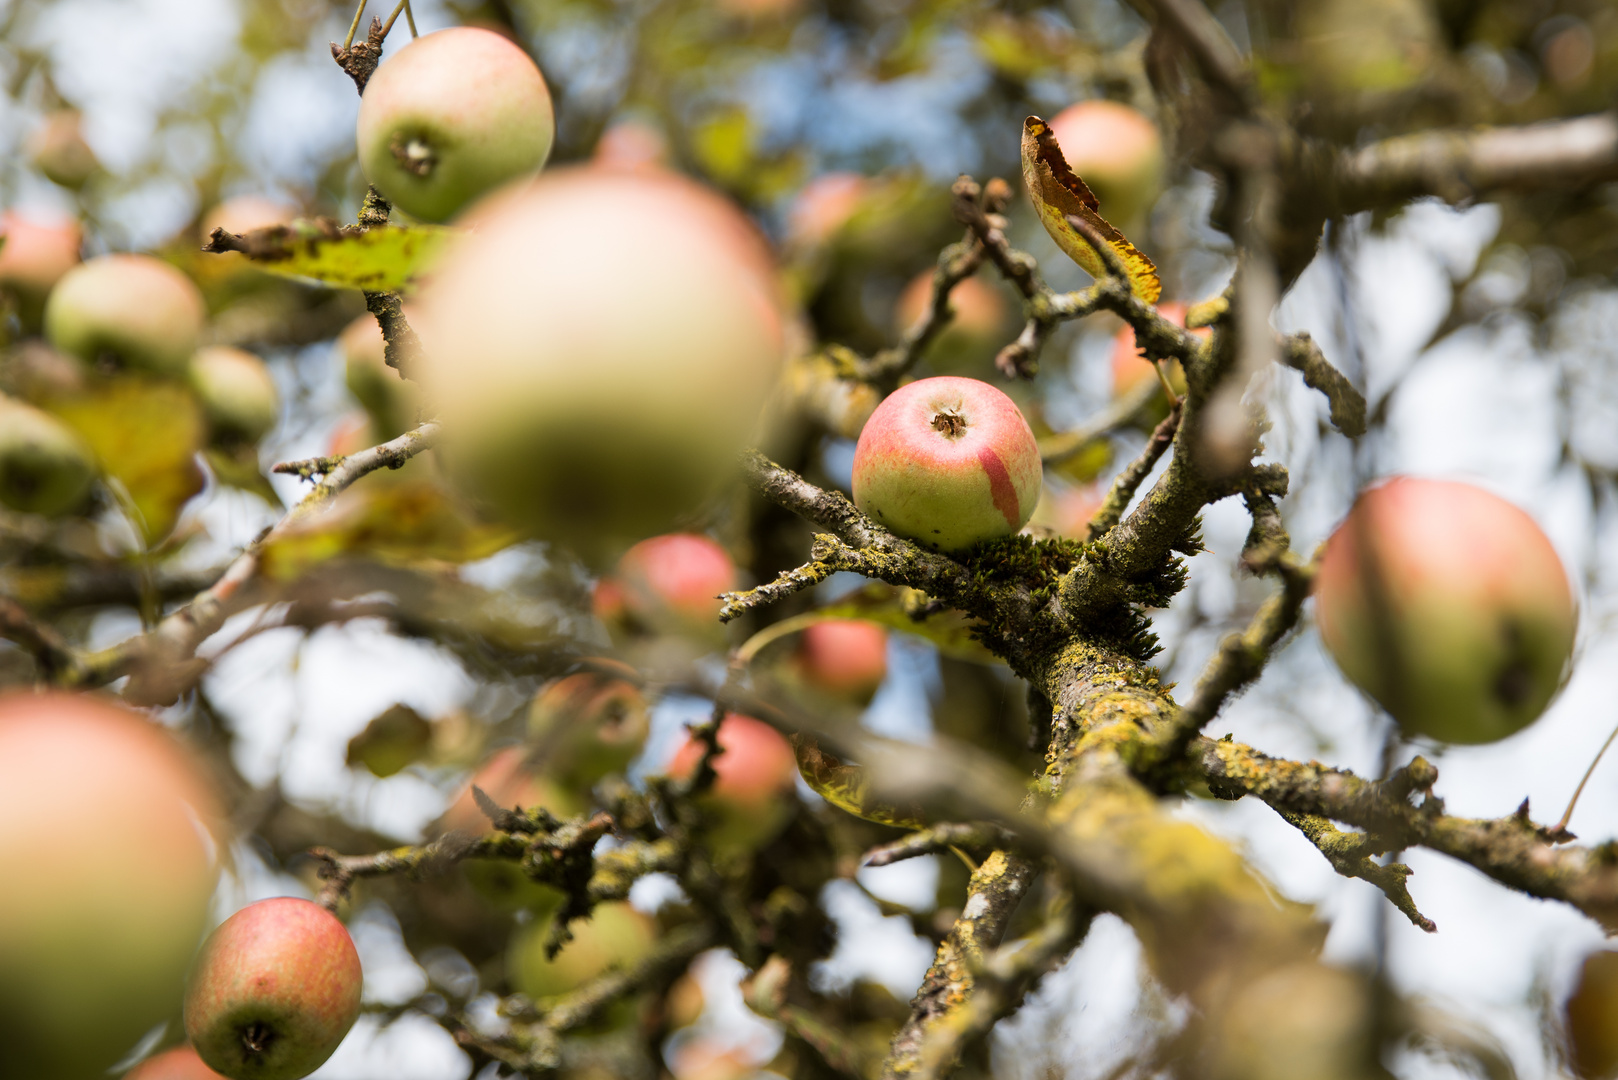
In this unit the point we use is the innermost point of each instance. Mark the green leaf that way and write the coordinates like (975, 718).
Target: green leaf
(145, 435)
(847, 787)
(378, 259)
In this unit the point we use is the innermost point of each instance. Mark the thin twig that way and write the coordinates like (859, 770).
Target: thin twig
(1559, 830)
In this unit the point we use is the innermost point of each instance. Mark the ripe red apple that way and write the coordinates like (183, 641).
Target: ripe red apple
(180, 1063)
(45, 468)
(244, 213)
(133, 310)
(599, 350)
(94, 944)
(614, 936)
(237, 393)
(34, 256)
(948, 462)
(1592, 1018)
(392, 403)
(58, 150)
(669, 584)
(980, 326)
(1130, 368)
(587, 725)
(847, 658)
(752, 796)
(453, 115)
(1118, 152)
(274, 990)
(1449, 606)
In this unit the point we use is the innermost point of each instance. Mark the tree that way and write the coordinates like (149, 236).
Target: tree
(1294, 138)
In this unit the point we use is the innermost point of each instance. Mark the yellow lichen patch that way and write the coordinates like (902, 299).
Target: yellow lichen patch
(1058, 193)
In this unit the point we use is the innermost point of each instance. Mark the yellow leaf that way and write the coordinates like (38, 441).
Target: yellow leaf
(847, 787)
(398, 523)
(377, 259)
(1058, 193)
(145, 435)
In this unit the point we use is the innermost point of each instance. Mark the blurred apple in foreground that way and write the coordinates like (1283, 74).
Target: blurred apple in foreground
(274, 990)
(58, 150)
(45, 468)
(948, 462)
(980, 327)
(614, 936)
(109, 870)
(133, 311)
(450, 117)
(1592, 1018)
(180, 1063)
(847, 658)
(1449, 606)
(599, 352)
(587, 725)
(237, 393)
(753, 793)
(668, 585)
(33, 257)
(1118, 152)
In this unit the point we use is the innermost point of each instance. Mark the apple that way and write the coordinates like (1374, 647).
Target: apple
(1592, 1018)
(753, 793)
(847, 658)
(1449, 606)
(598, 351)
(244, 213)
(588, 725)
(180, 1063)
(1130, 368)
(614, 936)
(45, 468)
(668, 584)
(33, 257)
(94, 944)
(392, 403)
(973, 336)
(237, 393)
(948, 462)
(1118, 152)
(131, 310)
(58, 150)
(1066, 511)
(824, 206)
(512, 778)
(632, 144)
(450, 117)
(275, 988)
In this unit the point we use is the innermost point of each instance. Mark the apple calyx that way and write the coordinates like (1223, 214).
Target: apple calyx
(950, 424)
(413, 154)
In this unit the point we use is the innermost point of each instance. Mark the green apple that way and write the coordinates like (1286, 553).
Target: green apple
(1449, 606)
(237, 393)
(598, 352)
(391, 402)
(948, 462)
(449, 118)
(588, 725)
(275, 988)
(59, 151)
(45, 468)
(614, 936)
(132, 311)
(94, 946)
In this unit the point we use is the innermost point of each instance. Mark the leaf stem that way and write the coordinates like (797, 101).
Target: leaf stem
(354, 27)
(1560, 828)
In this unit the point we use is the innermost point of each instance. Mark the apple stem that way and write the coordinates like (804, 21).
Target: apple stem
(1559, 831)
